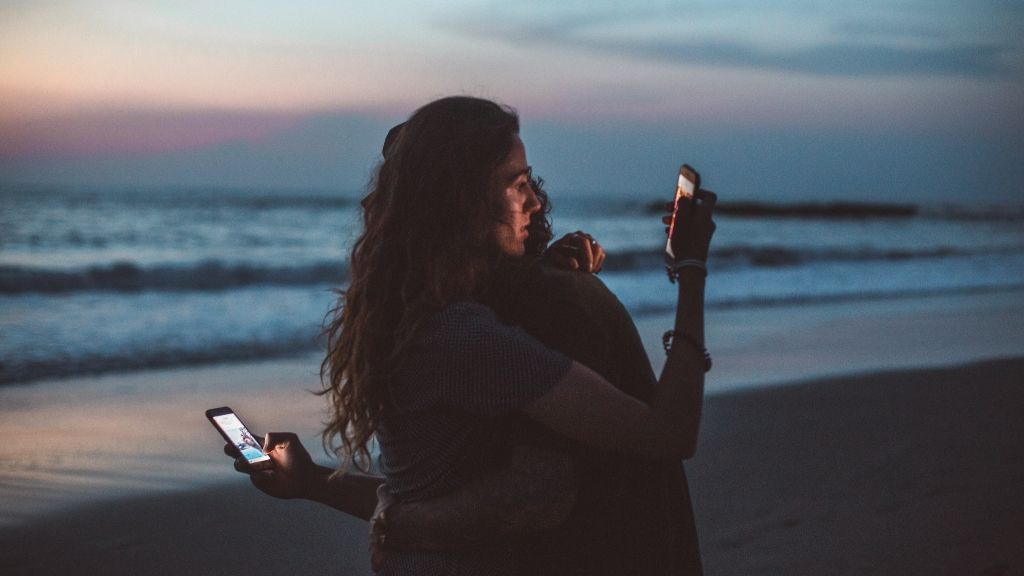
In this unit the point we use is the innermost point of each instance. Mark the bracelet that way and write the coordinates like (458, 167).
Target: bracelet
(671, 336)
(673, 268)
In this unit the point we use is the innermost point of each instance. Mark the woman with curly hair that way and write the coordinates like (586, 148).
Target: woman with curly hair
(416, 360)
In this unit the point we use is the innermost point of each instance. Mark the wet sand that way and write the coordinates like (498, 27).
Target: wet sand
(914, 472)
(907, 472)
(815, 457)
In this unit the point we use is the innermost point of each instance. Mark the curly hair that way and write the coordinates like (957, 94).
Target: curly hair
(427, 241)
(540, 226)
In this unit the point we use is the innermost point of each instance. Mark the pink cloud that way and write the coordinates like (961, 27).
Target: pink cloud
(136, 132)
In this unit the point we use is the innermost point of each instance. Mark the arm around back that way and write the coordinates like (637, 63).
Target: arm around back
(583, 406)
(531, 490)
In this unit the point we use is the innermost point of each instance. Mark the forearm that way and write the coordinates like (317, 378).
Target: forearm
(679, 396)
(354, 494)
(532, 490)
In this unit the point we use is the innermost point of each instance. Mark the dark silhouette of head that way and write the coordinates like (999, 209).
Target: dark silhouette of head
(540, 224)
(428, 240)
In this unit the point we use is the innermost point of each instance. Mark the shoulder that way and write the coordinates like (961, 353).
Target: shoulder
(567, 295)
(555, 284)
(459, 319)
(575, 313)
(465, 311)
(467, 359)
(468, 329)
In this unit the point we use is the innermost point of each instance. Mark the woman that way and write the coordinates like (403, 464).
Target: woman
(415, 360)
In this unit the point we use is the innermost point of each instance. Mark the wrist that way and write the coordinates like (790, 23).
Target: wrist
(689, 281)
(317, 485)
(695, 343)
(690, 275)
(688, 266)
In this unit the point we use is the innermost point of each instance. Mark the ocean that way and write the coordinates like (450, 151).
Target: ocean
(99, 281)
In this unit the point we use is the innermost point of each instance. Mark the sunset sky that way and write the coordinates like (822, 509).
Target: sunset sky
(908, 101)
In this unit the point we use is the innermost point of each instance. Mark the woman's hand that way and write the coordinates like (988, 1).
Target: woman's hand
(691, 237)
(293, 474)
(577, 251)
(379, 528)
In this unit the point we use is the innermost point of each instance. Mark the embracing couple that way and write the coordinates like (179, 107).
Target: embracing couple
(521, 429)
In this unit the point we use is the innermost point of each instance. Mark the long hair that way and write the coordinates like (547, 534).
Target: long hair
(427, 241)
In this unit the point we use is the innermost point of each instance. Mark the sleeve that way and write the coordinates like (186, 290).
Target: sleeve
(488, 368)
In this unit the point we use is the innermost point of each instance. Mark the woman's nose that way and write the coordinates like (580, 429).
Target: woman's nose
(532, 202)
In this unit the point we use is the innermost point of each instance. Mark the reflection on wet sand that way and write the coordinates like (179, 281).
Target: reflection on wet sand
(69, 442)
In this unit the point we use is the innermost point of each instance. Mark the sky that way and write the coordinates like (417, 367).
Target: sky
(794, 100)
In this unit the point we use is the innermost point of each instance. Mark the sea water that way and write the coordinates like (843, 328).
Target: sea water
(95, 281)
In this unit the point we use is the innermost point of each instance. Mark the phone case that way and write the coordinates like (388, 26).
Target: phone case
(686, 188)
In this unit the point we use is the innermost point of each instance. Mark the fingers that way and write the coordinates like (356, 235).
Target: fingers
(584, 244)
(378, 540)
(377, 553)
(275, 444)
(378, 527)
(231, 450)
(577, 251)
(275, 440)
(598, 254)
(262, 479)
(285, 448)
(694, 226)
(242, 465)
(562, 260)
(703, 206)
(562, 254)
(707, 199)
(705, 209)
(590, 253)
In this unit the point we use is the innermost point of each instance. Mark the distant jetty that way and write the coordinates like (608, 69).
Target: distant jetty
(810, 210)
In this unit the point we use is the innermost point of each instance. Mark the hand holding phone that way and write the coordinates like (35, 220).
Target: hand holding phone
(686, 190)
(231, 428)
(690, 225)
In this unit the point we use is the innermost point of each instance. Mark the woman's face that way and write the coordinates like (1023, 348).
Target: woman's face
(518, 199)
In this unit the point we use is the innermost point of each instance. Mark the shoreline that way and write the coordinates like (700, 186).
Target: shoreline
(116, 435)
(647, 317)
(907, 472)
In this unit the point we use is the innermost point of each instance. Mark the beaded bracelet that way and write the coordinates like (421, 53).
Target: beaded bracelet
(669, 338)
(673, 268)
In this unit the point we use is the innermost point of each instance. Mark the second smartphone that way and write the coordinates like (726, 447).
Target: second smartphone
(231, 428)
(686, 186)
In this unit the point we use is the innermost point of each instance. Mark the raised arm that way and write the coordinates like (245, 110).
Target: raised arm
(585, 407)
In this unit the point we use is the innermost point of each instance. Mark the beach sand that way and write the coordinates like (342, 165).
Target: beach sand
(852, 461)
(911, 472)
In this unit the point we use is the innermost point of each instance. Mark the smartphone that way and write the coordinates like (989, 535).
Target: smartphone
(231, 428)
(686, 187)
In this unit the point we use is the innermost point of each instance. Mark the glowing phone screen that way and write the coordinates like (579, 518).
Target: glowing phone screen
(241, 438)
